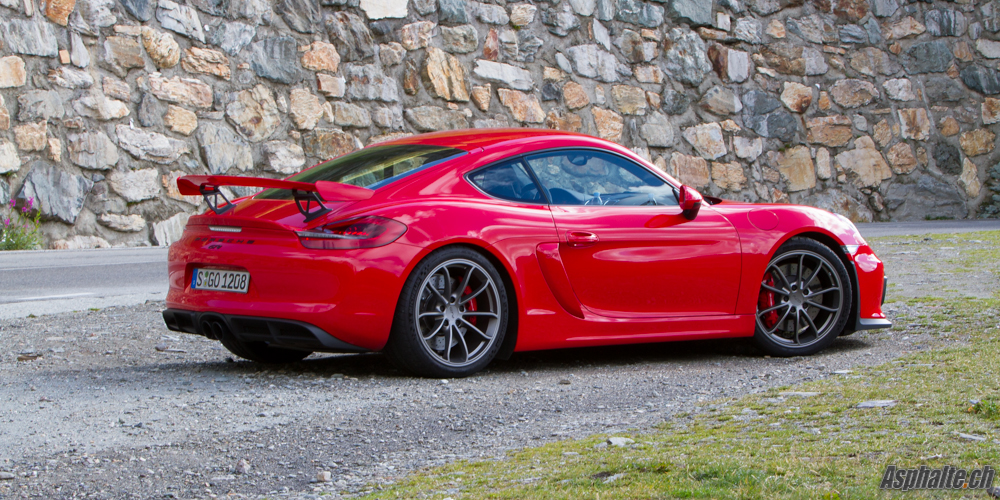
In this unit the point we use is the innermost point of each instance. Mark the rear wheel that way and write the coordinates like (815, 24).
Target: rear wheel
(804, 301)
(451, 317)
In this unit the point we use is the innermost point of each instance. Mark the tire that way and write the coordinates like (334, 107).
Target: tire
(821, 312)
(451, 317)
(261, 352)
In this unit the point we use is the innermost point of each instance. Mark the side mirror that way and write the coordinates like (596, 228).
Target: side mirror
(690, 201)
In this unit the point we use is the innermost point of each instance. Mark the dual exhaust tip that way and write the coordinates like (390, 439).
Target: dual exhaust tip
(213, 328)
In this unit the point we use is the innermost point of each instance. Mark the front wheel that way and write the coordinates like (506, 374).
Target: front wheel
(804, 301)
(452, 316)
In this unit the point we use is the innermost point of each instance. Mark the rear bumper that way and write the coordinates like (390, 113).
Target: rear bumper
(277, 332)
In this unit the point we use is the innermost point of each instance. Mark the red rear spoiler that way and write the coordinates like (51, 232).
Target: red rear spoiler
(303, 192)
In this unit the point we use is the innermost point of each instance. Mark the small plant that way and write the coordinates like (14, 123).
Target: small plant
(19, 230)
(987, 409)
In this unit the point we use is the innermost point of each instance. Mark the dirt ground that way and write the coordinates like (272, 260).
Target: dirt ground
(110, 404)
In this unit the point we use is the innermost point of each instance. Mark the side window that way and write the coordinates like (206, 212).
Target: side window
(584, 177)
(508, 181)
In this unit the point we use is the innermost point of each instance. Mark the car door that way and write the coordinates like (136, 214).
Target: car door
(627, 249)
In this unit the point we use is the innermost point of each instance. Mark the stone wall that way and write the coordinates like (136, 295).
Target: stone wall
(875, 109)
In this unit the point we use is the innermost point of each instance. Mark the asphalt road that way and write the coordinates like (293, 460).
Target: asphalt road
(54, 281)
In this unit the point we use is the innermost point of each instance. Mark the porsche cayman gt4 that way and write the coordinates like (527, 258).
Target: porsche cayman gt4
(449, 250)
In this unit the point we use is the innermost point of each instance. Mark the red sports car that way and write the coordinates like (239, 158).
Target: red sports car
(448, 250)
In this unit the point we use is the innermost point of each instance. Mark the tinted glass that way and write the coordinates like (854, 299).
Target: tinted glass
(508, 181)
(583, 177)
(370, 167)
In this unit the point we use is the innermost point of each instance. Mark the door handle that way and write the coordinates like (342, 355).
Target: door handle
(581, 238)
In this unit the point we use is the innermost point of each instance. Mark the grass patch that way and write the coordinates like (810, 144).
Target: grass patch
(794, 446)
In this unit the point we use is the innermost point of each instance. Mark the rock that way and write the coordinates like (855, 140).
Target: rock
(927, 57)
(609, 124)
(914, 124)
(707, 140)
(687, 59)
(141, 10)
(852, 93)
(674, 102)
(988, 48)
(852, 33)
(834, 131)
(452, 12)
(77, 242)
(649, 74)
(824, 168)
(879, 403)
(522, 14)
(169, 183)
(785, 58)
(79, 53)
(629, 100)
(574, 96)
(836, 201)
(417, 35)
(30, 37)
(206, 61)
(304, 15)
(491, 14)
(326, 144)
(796, 166)
(180, 120)
(184, 91)
(796, 97)
(905, 27)
(865, 162)
(433, 118)
(873, 62)
(12, 72)
(569, 121)
(690, 170)
(383, 117)
(9, 160)
(122, 54)
(321, 56)
(491, 46)
(814, 62)
(40, 105)
(748, 149)
(694, 12)
(58, 10)
(161, 47)
(223, 149)
(92, 150)
(584, 7)
(991, 15)
(445, 76)
(949, 127)
(638, 12)
(276, 59)
(748, 30)
(231, 37)
(982, 80)
(31, 136)
(351, 35)
(733, 65)
(928, 197)
(899, 89)
(561, 21)
(721, 101)
(524, 107)
(350, 115)
(96, 105)
(135, 185)
(170, 230)
(620, 441)
(943, 89)
(116, 89)
(283, 157)
(945, 22)
(658, 131)
(593, 62)
(70, 78)
(254, 113)
(58, 194)
(369, 83)
(425, 7)
(970, 179)
(306, 109)
(947, 158)
(151, 111)
(123, 223)
(901, 158)
(977, 142)
(481, 96)
(391, 54)
(411, 79)
(884, 8)
(762, 114)
(813, 28)
(775, 29)
(728, 176)
(150, 146)
(331, 86)
(93, 15)
(991, 111)
(180, 19)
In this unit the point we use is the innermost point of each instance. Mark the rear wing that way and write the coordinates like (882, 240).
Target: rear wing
(305, 193)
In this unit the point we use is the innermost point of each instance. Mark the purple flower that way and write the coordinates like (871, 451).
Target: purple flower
(31, 201)
(12, 202)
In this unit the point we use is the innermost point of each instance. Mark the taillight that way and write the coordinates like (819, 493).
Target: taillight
(363, 232)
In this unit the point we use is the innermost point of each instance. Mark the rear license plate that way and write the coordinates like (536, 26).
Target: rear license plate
(220, 280)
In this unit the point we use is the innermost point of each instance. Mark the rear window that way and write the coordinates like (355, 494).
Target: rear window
(370, 168)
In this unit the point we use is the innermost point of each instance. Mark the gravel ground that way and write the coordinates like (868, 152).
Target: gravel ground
(110, 404)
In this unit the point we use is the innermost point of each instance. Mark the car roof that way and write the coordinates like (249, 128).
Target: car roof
(469, 139)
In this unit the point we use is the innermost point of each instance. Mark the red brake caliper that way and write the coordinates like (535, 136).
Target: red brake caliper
(471, 306)
(766, 301)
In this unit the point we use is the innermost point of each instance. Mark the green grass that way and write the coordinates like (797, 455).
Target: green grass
(767, 446)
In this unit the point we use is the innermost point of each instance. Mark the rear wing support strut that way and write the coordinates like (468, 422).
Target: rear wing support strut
(211, 194)
(304, 202)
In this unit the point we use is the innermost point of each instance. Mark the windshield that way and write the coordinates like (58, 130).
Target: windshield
(371, 167)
